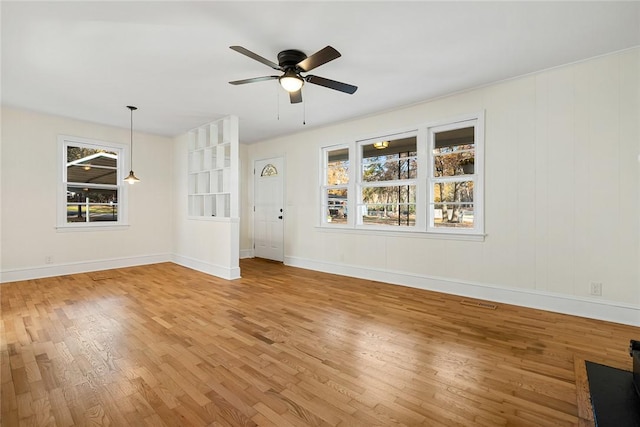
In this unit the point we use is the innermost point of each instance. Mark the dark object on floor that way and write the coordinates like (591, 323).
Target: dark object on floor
(634, 351)
(613, 396)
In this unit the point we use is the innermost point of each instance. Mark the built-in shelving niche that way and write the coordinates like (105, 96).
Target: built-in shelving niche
(213, 170)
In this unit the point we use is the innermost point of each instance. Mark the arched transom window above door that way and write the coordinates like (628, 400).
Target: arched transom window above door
(269, 170)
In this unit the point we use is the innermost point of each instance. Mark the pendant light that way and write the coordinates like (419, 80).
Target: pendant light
(132, 178)
(381, 145)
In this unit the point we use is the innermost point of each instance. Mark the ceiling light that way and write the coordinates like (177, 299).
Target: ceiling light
(380, 145)
(290, 81)
(132, 178)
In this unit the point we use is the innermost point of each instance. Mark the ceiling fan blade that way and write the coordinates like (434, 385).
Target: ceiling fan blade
(253, 80)
(255, 56)
(317, 59)
(332, 84)
(295, 97)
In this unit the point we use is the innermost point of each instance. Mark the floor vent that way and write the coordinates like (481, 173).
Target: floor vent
(104, 275)
(480, 304)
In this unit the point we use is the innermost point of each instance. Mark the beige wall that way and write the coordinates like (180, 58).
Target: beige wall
(29, 188)
(562, 189)
(208, 245)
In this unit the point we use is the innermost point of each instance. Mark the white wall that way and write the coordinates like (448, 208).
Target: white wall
(29, 187)
(208, 245)
(561, 185)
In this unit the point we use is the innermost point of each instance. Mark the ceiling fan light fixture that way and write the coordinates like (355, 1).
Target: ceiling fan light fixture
(292, 63)
(290, 81)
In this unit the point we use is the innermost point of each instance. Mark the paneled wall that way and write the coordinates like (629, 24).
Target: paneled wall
(562, 194)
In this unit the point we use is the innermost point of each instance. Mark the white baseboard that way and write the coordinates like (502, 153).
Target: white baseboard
(567, 304)
(39, 272)
(578, 306)
(246, 253)
(205, 267)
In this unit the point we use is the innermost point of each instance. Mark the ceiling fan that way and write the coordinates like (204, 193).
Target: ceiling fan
(293, 62)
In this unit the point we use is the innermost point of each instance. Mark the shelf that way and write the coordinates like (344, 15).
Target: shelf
(212, 169)
(210, 205)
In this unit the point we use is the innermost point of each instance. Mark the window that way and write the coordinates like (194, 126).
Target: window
(453, 177)
(91, 183)
(335, 186)
(428, 180)
(388, 179)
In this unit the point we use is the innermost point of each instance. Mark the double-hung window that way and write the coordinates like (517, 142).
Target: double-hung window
(91, 183)
(454, 175)
(335, 188)
(388, 181)
(427, 180)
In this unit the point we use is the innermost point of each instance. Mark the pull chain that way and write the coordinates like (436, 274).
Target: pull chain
(278, 101)
(304, 111)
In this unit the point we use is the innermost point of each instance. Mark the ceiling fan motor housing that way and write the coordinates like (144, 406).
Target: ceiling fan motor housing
(290, 58)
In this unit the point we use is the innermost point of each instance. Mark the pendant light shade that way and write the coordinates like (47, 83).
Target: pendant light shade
(132, 178)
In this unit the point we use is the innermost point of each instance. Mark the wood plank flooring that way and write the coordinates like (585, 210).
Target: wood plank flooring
(164, 345)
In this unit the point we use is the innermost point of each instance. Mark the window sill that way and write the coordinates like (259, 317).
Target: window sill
(213, 218)
(345, 229)
(76, 228)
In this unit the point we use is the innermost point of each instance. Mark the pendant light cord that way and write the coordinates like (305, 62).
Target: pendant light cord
(131, 139)
(131, 109)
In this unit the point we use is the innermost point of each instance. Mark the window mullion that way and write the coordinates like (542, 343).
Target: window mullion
(395, 183)
(457, 178)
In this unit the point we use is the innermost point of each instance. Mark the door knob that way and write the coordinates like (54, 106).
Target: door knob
(280, 217)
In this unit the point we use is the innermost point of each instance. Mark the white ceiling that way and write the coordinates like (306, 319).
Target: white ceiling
(88, 60)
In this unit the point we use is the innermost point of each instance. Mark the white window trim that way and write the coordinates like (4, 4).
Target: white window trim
(477, 120)
(422, 228)
(324, 187)
(359, 184)
(123, 217)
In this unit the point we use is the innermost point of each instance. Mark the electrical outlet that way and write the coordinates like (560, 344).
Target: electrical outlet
(48, 259)
(596, 289)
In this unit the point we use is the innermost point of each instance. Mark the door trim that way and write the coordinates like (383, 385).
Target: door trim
(252, 208)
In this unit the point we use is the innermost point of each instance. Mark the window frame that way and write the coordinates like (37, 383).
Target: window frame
(122, 151)
(360, 184)
(424, 225)
(325, 186)
(477, 121)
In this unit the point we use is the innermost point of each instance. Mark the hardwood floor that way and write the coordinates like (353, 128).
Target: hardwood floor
(164, 345)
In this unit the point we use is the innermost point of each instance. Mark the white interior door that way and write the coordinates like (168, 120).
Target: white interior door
(269, 209)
